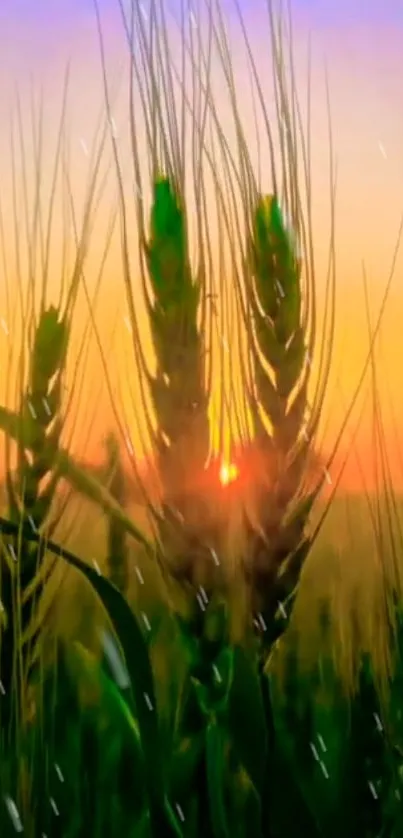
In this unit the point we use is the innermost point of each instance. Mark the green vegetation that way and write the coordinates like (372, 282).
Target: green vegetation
(181, 699)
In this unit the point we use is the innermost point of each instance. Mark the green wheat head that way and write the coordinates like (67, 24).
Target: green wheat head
(31, 491)
(178, 390)
(278, 405)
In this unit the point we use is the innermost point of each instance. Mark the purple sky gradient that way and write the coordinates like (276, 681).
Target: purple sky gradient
(331, 10)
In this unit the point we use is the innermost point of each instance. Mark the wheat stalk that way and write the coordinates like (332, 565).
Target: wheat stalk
(278, 403)
(117, 557)
(174, 295)
(31, 491)
(178, 389)
(37, 423)
(277, 305)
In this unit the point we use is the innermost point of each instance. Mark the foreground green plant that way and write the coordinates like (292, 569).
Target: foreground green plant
(232, 755)
(279, 401)
(178, 389)
(277, 301)
(25, 569)
(31, 492)
(214, 779)
(117, 553)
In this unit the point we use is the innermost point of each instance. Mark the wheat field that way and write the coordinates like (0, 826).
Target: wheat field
(200, 622)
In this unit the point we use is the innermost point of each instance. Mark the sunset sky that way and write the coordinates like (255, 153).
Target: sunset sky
(358, 45)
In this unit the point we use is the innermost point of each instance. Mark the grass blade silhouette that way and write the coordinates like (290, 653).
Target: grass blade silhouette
(163, 821)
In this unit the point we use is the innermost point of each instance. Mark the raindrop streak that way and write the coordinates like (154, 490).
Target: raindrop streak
(148, 701)
(14, 814)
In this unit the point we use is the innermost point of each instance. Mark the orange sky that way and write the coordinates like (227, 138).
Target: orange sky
(367, 119)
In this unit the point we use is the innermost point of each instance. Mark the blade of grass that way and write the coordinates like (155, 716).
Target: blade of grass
(81, 481)
(134, 648)
(215, 761)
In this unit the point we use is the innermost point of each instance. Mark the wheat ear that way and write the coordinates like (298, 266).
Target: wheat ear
(31, 492)
(178, 390)
(278, 405)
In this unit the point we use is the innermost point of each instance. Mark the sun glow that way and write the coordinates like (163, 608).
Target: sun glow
(228, 473)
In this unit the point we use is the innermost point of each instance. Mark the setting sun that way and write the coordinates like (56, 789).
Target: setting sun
(228, 473)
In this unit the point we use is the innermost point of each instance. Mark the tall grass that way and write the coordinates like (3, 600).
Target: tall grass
(224, 747)
(117, 553)
(36, 433)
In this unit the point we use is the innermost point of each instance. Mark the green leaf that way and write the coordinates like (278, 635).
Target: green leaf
(163, 821)
(246, 718)
(185, 763)
(88, 673)
(291, 789)
(109, 714)
(49, 347)
(83, 483)
(216, 767)
(213, 685)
